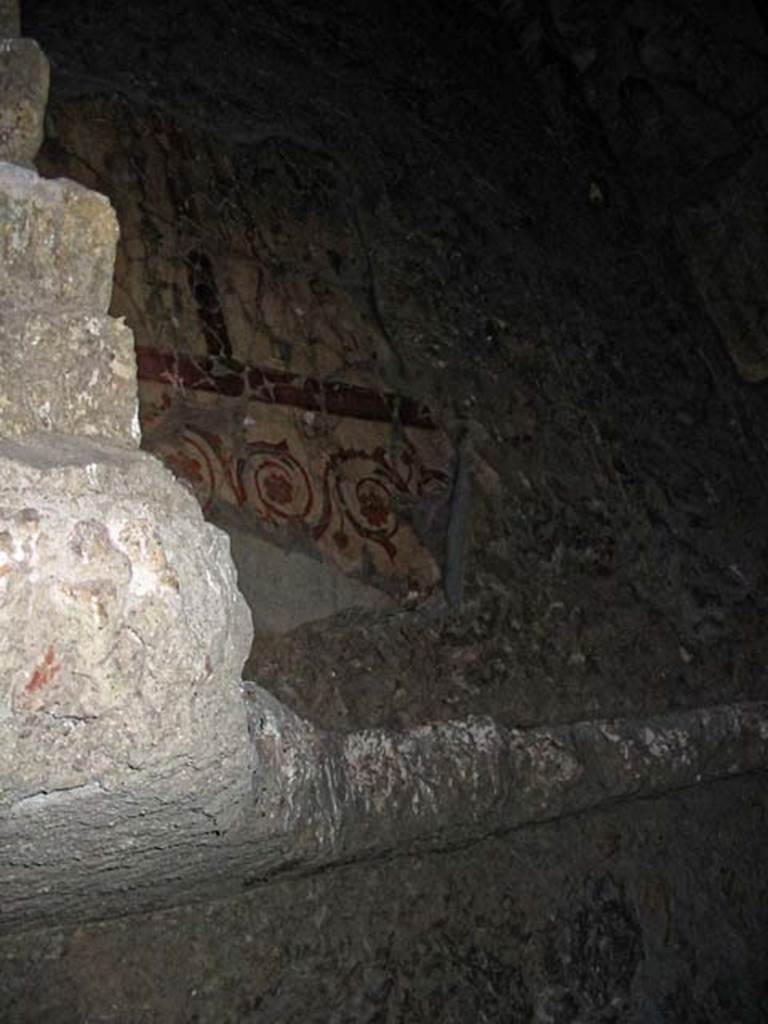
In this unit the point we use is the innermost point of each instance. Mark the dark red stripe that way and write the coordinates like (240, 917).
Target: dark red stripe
(233, 379)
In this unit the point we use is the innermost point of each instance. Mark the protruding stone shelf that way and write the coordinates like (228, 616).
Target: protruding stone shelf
(449, 783)
(89, 850)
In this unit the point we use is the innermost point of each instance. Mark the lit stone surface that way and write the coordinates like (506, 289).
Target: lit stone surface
(57, 245)
(68, 373)
(24, 77)
(122, 632)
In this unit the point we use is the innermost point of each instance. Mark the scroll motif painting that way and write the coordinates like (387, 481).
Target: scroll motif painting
(351, 469)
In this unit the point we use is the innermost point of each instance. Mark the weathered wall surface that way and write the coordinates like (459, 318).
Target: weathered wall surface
(23, 92)
(9, 19)
(506, 271)
(613, 489)
(676, 99)
(267, 381)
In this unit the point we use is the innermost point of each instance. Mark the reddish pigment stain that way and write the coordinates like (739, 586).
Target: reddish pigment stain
(186, 467)
(279, 489)
(44, 673)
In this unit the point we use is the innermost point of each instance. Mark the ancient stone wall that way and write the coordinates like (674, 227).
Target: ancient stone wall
(563, 819)
(266, 380)
(615, 461)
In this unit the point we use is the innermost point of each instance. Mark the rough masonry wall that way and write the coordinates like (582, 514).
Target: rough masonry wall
(676, 100)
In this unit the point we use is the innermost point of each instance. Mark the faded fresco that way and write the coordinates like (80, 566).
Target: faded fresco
(295, 453)
(267, 380)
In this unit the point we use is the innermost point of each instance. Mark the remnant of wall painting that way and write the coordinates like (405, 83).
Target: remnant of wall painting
(263, 363)
(351, 468)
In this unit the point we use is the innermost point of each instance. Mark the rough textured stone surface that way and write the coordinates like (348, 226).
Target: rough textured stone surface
(122, 637)
(617, 475)
(10, 24)
(72, 374)
(616, 562)
(509, 931)
(452, 782)
(24, 76)
(287, 588)
(57, 245)
(678, 103)
(317, 799)
(725, 251)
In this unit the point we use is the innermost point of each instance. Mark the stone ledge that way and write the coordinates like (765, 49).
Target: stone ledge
(70, 374)
(57, 245)
(320, 800)
(453, 782)
(77, 468)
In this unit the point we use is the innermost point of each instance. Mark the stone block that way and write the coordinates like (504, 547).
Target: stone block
(10, 22)
(57, 245)
(24, 76)
(122, 639)
(69, 373)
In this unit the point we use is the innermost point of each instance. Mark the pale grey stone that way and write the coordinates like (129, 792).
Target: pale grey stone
(24, 79)
(285, 589)
(122, 639)
(374, 791)
(320, 799)
(57, 245)
(68, 373)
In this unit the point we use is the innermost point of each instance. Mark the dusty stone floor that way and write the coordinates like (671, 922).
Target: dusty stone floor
(615, 561)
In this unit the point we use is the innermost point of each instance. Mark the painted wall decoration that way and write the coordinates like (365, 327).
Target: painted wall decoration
(351, 469)
(266, 378)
